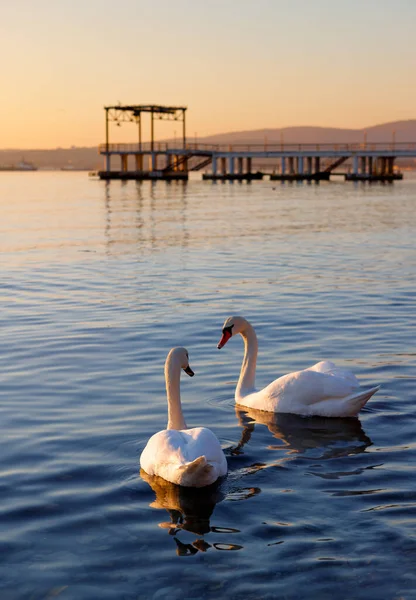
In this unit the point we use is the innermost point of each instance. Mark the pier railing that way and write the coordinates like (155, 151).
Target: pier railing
(265, 147)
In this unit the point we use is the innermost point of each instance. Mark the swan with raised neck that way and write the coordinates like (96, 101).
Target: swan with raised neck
(187, 457)
(321, 390)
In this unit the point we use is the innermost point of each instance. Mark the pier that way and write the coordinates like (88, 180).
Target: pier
(288, 162)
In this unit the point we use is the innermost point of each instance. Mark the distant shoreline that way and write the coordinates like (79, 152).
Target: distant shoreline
(87, 157)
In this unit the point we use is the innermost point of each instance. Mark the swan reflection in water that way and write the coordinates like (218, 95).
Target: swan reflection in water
(331, 437)
(190, 509)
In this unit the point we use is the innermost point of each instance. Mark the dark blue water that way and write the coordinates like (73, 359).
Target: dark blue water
(98, 282)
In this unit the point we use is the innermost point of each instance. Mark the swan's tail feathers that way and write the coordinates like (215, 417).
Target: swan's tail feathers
(198, 473)
(359, 399)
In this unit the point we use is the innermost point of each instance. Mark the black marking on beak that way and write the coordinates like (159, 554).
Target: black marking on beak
(189, 371)
(228, 329)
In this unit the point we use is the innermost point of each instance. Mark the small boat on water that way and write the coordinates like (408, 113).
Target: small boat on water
(20, 166)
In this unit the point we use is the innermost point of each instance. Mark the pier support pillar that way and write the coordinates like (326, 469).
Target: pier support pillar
(214, 165)
(139, 162)
(124, 159)
(317, 164)
(300, 165)
(231, 165)
(355, 164)
(240, 165)
(154, 161)
(223, 165)
(283, 165)
(380, 166)
(309, 165)
(370, 165)
(108, 162)
(249, 164)
(363, 165)
(390, 165)
(291, 168)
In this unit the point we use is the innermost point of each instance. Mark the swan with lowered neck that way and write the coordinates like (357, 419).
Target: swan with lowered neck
(187, 457)
(322, 390)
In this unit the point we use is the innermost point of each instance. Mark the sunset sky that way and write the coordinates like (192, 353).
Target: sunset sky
(236, 64)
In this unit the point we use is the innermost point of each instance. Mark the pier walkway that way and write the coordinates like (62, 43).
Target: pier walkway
(288, 162)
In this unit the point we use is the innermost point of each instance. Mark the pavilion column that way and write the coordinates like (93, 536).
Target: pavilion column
(152, 131)
(183, 128)
(140, 132)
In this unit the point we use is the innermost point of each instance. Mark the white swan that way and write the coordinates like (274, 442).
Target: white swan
(323, 390)
(188, 457)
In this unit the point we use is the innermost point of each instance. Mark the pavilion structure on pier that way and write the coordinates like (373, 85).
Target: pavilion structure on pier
(146, 156)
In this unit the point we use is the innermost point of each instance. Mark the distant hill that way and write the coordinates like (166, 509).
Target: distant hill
(404, 131)
(88, 158)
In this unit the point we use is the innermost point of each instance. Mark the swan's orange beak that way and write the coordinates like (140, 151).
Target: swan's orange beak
(224, 339)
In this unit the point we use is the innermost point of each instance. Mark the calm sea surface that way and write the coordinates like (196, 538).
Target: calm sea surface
(98, 282)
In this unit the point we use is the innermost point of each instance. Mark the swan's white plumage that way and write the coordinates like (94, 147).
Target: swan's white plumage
(187, 457)
(321, 390)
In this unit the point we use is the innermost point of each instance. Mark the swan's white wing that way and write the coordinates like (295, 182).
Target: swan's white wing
(298, 392)
(309, 386)
(330, 368)
(202, 442)
(190, 457)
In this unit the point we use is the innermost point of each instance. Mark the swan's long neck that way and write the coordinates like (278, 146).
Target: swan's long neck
(172, 378)
(247, 378)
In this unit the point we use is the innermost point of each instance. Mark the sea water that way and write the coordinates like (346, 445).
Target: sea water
(98, 282)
